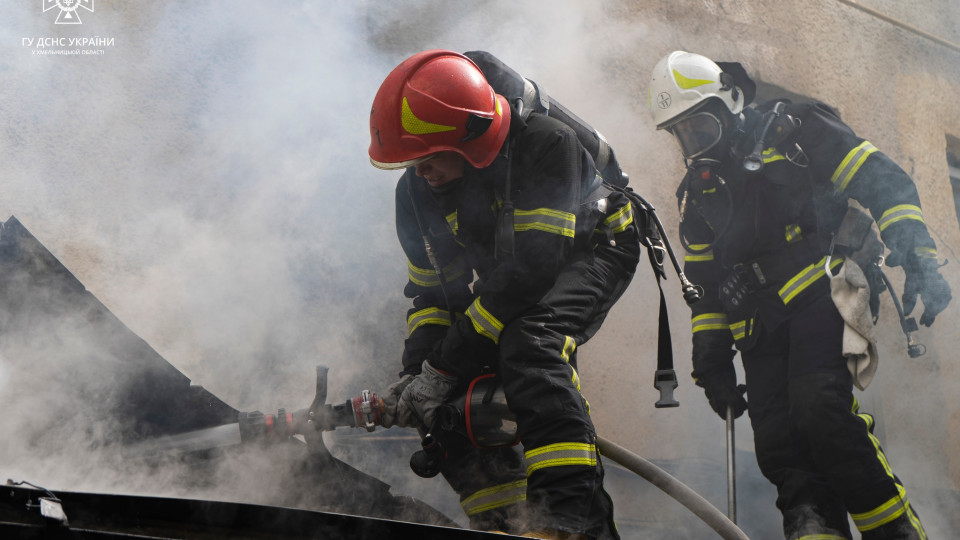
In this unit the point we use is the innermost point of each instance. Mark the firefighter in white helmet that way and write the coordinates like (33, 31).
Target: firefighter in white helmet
(764, 212)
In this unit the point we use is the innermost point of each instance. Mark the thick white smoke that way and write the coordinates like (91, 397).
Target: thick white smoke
(206, 178)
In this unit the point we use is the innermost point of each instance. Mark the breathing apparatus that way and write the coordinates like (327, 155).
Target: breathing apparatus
(775, 128)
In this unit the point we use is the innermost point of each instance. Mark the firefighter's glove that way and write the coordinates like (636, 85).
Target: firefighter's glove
(722, 391)
(422, 397)
(391, 397)
(923, 279)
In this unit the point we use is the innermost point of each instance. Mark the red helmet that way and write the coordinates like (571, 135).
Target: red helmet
(436, 101)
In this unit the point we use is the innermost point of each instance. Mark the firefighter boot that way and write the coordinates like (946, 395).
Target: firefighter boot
(906, 527)
(807, 521)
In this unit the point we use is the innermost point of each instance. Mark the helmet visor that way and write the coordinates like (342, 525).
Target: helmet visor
(697, 133)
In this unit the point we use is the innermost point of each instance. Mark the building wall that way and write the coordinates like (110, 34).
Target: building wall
(895, 88)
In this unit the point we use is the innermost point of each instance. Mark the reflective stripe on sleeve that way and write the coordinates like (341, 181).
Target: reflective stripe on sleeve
(560, 455)
(805, 278)
(495, 497)
(850, 165)
(741, 329)
(546, 220)
(899, 213)
(427, 277)
(432, 315)
(484, 323)
(926, 252)
(700, 256)
(620, 220)
(709, 321)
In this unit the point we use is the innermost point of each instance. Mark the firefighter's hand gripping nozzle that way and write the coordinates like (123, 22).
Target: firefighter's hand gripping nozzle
(480, 415)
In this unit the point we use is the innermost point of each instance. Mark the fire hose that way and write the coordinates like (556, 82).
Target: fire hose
(481, 414)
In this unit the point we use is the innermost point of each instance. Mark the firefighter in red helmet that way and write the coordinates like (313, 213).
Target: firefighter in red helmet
(515, 201)
(790, 272)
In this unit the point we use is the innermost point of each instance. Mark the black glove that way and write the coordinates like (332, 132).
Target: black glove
(463, 352)
(722, 391)
(923, 279)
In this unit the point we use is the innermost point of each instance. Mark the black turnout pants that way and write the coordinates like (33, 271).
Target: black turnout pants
(811, 440)
(558, 472)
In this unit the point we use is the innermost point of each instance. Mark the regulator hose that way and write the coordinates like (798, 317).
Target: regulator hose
(702, 508)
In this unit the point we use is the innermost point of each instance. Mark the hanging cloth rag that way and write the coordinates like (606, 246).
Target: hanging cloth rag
(851, 294)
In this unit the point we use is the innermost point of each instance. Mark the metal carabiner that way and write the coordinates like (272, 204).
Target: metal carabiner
(826, 262)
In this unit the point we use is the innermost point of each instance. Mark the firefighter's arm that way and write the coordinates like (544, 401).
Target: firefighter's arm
(429, 318)
(858, 170)
(713, 351)
(546, 200)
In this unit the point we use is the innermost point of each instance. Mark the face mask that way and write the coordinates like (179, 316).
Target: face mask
(697, 134)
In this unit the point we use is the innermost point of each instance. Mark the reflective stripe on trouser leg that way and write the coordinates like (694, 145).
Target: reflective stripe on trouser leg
(495, 497)
(824, 410)
(804, 495)
(491, 484)
(537, 365)
(893, 508)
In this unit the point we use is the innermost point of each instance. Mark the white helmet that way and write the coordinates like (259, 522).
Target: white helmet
(682, 81)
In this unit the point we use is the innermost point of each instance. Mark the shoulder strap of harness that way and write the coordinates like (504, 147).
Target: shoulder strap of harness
(652, 236)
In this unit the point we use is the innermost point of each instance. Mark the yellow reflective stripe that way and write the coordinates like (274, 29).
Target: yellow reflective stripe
(805, 277)
(560, 455)
(881, 515)
(415, 126)
(700, 256)
(739, 329)
(620, 220)
(569, 346)
(495, 497)
(427, 277)
(892, 508)
(850, 165)
(546, 220)
(484, 323)
(926, 252)
(793, 233)
(770, 155)
(575, 379)
(899, 213)
(709, 321)
(687, 83)
(452, 222)
(430, 315)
